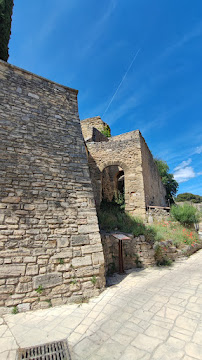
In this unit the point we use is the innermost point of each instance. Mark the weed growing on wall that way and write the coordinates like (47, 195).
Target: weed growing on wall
(93, 279)
(40, 289)
(15, 310)
(106, 131)
(61, 261)
(74, 281)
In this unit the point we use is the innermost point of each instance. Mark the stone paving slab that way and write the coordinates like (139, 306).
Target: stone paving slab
(154, 313)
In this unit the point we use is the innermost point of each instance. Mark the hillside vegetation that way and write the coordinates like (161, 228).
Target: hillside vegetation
(189, 197)
(178, 228)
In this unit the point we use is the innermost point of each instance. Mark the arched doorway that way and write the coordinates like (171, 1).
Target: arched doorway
(113, 184)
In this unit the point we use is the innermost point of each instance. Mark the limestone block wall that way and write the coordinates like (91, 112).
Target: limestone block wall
(154, 189)
(87, 126)
(50, 246)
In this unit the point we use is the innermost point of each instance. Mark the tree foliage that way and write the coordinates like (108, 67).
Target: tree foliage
(189, 197)
(168, 180)
(186, 214)
(6, 10)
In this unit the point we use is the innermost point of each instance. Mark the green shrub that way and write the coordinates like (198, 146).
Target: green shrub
(106, 131)
(186, 214)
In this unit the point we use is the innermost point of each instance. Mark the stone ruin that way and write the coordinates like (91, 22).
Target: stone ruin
(124, 156)
(50, 245)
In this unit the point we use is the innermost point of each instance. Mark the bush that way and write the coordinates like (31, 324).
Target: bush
(106, 131)
(186, 214)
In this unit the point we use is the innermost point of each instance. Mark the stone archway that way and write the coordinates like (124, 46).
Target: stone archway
(112, 183)
(118, 163)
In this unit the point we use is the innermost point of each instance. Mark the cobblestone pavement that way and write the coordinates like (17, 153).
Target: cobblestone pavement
(149, 314)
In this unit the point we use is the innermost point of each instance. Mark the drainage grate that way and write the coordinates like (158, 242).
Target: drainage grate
(54, 351)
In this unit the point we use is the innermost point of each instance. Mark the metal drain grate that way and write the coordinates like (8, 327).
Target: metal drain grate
(54, 351)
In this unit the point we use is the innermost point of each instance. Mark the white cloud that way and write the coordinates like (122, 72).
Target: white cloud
(184, 174)
(198, 150)
(183, 164)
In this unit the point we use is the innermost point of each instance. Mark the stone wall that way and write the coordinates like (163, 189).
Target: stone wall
(125, 153)
(167, 250)
(142, 183)
(136, 252)
(157, 214)
(97, 136)
(89, 124)
(155, 191)
(50, 246)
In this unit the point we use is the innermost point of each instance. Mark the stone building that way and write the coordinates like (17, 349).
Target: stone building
(122, 164)
(50, 245)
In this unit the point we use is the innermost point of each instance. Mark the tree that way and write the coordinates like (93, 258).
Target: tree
(168, 180)
(189, 197)
(6, 10)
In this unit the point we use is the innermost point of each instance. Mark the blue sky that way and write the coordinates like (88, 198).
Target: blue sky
(137, 62)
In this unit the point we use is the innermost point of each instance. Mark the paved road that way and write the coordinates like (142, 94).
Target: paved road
(150, 314)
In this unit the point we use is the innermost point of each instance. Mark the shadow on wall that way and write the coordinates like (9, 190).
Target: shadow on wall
(113, 183)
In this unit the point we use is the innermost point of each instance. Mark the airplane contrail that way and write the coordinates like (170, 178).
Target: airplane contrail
(122, 80)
